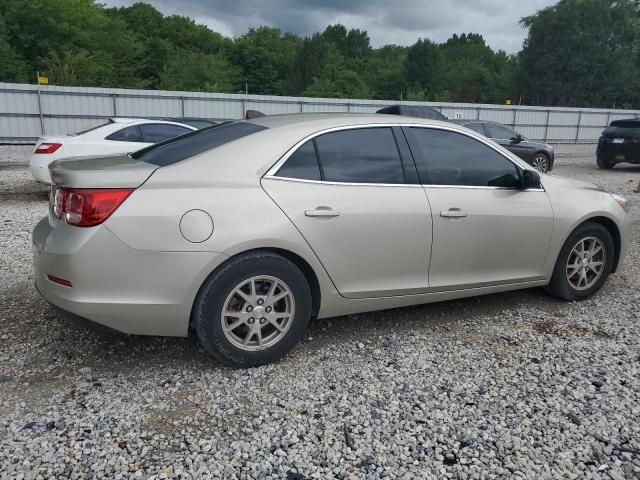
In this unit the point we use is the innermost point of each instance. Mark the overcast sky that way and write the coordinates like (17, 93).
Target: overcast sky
(387, 21)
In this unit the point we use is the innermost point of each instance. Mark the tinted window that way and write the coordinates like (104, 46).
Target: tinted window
(366, 155)
(128, 134)
(302, 164)
(450, 158)
(194, 143)
(157, 132)
(498, 131)
(477, 127)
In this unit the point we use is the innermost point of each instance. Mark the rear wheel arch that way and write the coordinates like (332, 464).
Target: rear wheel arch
(297, 260)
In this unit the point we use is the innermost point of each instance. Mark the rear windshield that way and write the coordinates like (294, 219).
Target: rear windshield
(194, 143)
(630, 123)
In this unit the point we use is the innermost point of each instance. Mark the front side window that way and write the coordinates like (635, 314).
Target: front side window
(127, 134)
(303, 164)
(498, 131)
(364, 155)
(451, 158)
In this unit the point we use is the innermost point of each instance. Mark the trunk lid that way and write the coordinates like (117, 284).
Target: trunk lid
(116, 171)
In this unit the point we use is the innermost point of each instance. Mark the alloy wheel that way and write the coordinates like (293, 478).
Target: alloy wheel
(540, 163)
(586, 263)
(258, 313)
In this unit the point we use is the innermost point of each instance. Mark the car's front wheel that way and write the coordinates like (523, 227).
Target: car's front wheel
(253, 310)
(603, 163)
(584, 263)
(540, 162)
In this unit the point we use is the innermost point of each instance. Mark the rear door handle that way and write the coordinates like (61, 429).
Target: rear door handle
(453, 213)
(322, 212)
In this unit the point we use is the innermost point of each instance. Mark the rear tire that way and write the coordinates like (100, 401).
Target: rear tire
(253, 310)
(584, 263)
(603, 163)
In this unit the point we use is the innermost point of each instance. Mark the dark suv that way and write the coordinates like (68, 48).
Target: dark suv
(619, 143)
(537, 154)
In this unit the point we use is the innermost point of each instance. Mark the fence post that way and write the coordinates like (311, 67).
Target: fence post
(608, 119)
(300, 103)
(477, 113)
(115, 104)
(244, 108)
(348, 107)
(40, 108)
(578, 127)
(182, 104)
(513, 121)
(546, 126)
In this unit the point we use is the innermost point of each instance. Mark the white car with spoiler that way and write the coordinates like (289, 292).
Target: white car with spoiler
(118, 135)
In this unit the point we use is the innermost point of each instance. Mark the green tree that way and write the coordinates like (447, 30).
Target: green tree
(581, 53)
(338, 82)
(197, 71)
(424, 67)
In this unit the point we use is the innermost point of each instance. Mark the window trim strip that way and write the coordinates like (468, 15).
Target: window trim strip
(272, 172)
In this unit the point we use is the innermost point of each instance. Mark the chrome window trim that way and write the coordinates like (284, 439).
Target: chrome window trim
(272, 172)
(350, 184)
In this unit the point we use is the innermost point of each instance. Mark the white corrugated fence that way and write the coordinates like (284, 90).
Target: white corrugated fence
(28, 112)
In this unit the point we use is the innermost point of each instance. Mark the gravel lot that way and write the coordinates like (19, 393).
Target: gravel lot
(515, 385)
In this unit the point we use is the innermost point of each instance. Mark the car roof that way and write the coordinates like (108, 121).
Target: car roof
(321, 121)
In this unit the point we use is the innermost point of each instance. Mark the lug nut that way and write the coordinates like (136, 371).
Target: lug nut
(251, 320)
(249, 308)
(268, 309)
(263, 321)
(260, 301)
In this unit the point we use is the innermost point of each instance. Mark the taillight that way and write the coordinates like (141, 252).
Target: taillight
(47, 147)
(87, 207)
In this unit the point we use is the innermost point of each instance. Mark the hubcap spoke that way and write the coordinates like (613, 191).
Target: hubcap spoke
(258, 313)
(586, 263)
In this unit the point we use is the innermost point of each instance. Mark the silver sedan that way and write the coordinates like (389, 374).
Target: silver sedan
(243, 232)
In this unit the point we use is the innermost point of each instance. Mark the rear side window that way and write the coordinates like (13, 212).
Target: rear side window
(303, 164)
(157, 132)
(476, 127)
(450, 158)
(128, 134)
(498, 131)
(194, 143)
(366, 155)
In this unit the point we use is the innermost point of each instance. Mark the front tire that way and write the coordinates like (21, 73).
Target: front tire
(603, 163)
(253, 310)
(541, 162)
(584, 263)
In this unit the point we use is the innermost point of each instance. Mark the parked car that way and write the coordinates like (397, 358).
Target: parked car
(245, 231)
(413, 111)
(118, 135)
(196, 122)
(619, 143)
(537, 154)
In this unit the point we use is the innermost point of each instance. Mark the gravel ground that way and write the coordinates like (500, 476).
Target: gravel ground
(514, 385)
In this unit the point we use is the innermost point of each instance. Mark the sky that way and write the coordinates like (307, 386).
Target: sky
(399, 22)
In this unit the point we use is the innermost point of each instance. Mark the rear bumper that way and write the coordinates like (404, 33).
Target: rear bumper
(132, 291)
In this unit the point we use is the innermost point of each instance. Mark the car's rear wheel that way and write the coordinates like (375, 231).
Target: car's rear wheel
(540, 162)
(603, 163)
(584, 263)
(253, 310)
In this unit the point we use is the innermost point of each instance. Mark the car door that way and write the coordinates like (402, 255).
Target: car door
(486, 230)
(507, 138)
(356, 200)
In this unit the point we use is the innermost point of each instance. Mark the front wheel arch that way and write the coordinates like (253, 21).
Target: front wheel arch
(614, 231)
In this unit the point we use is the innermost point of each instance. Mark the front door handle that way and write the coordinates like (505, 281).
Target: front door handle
(322, 212)
(453, 213)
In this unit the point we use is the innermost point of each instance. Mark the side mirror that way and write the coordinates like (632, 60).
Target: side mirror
(516, 139)
(530, 179)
